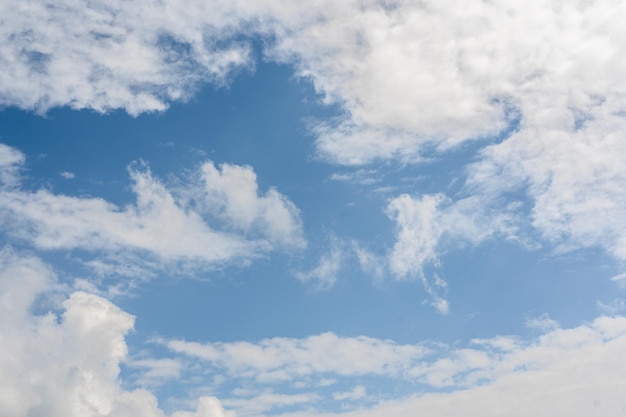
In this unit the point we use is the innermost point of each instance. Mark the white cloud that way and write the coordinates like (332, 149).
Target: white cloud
(160, 227)
(426, 226)
(355, 393)
(291, 359)
(324, 274)
(543, 323)
(155, 371)
(411, 78)
(232, 192)
(10, 161)
(67, 175)
(574, 180)
(207, 407)
(503, 375)
(267, 401)
(360, 177)
(620, 280)
(612, 307)
(136, 55)
(67, 365)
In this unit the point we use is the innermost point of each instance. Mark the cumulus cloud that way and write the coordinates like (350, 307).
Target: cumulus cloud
(207, 407)
(136, 56)
(232, 192)
(64, 365)
(162, 226)
(411, 78)
(68, 364)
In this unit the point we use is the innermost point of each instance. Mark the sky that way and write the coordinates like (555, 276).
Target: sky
(350, 208)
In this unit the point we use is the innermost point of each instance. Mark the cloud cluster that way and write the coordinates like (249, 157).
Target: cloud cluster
(227, 220)
(574, 371)
(67, 365)
(137, 56)
(410, 78)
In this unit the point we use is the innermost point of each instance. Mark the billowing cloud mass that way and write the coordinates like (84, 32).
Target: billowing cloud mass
(534, 91)
(411, 78)
(67, 365)
(227, 220)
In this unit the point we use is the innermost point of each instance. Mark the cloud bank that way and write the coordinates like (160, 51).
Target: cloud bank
(576, 371)
(68, 364)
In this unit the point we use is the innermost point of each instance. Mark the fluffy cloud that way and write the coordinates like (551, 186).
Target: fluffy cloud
(67, 365)
(574, 180)
(162, 225)
(411, 78)
(137, 56)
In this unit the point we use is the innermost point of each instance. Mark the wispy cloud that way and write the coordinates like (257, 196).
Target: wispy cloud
(558, 362)
(227, 220)
(67, 175)
(324, 275)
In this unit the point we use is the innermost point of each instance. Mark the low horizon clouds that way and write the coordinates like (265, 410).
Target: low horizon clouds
(571, 371)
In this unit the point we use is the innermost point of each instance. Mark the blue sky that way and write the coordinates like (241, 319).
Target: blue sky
(352, 209)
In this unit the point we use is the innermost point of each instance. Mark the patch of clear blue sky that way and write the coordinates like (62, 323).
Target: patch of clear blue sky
(261, 120)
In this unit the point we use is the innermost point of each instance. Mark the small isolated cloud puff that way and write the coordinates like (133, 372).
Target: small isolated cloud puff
(159, 227)
(66, 366)
(67, 175)
(543, 323)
